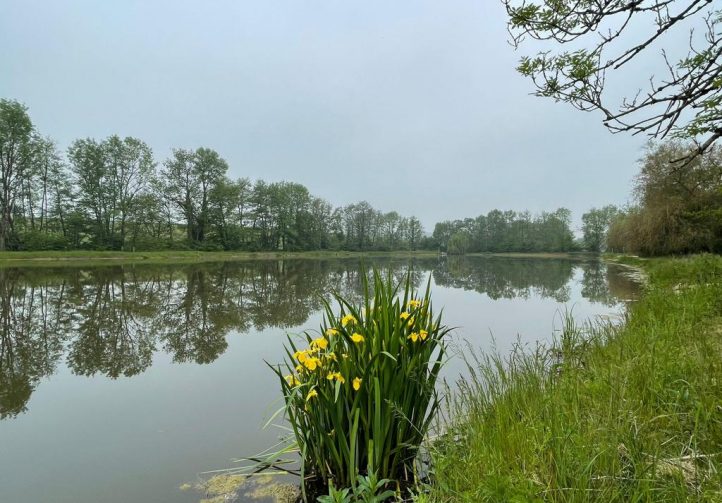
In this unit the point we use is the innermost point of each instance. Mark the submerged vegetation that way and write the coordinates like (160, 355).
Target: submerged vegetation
(361, 396)
(627, 412)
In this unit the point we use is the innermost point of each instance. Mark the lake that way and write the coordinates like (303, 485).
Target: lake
(119, 383)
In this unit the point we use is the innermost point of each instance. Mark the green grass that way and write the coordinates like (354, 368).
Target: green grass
(631, 413)
(77, 257)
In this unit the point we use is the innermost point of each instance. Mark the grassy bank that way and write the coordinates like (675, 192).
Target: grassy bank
(89, 257)
(55, 258)
(626, 413)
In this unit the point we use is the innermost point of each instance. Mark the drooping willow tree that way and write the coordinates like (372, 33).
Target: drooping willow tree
(593, 39)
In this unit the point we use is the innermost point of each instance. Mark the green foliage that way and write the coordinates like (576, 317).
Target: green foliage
(112, 177)
(109, 195)
(678, 209)
(15, 137)
(608, 413)
(36, 240)
(595, 224)
(507, 231)
(369, 489)
(362, 395)
(337, 495)
(459, 243)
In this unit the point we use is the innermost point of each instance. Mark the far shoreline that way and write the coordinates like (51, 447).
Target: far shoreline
(90, 257)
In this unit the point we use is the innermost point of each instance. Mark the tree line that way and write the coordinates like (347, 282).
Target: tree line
(508, 231)
(676, 208)
(111, 194)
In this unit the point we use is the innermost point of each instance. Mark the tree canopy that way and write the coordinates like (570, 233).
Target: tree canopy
(112, 194)
(677, 210)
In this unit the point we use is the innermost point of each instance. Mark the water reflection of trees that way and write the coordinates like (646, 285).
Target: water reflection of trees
(508, 278)
(110, 320)
(32, 324)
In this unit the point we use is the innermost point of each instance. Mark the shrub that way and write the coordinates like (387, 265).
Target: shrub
(38, 240)
(361, 397)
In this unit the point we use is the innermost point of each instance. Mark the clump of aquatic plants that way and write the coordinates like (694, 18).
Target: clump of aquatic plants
(360, 393)
(369, 489)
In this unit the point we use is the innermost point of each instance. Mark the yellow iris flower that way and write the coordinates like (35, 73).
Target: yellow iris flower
(413, 336)
(349, 318)
(319, 343)
(331, 332)
(404, 315)
(335, 375)
(312, 363)
(423, 334)
(357, 383)
(357, 338)
(414, 303)
(301, 356)
(311, 394)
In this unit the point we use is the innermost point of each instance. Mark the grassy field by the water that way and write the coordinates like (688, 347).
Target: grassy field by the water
(56, 258)
(90, 257)
(626, 413)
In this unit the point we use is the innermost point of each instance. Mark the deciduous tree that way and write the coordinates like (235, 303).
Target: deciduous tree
(15, 135)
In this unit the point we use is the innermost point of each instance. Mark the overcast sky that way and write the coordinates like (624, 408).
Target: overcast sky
(414, 106)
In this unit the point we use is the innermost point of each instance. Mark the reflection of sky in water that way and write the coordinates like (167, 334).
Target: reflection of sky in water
(87, 439)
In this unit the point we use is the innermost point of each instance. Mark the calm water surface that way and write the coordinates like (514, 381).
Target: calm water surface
(119, 383)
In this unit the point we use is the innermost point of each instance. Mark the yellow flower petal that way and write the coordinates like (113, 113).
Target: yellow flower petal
(331, 332)
(312, 363)
(319, 343)
(357, 383)
(311, 394)
(357, 338)
(349, 318)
